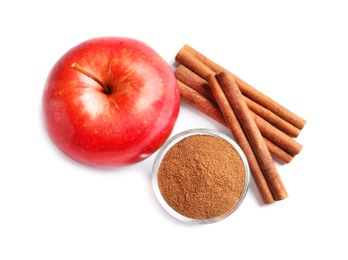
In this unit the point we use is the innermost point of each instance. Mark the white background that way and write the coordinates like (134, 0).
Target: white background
(53, 208)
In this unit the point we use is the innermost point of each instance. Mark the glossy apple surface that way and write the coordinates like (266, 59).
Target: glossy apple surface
(110, 102)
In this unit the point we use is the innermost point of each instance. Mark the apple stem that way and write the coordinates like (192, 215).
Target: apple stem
(90, 75)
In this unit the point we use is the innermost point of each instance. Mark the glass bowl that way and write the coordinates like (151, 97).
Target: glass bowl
(160, 174)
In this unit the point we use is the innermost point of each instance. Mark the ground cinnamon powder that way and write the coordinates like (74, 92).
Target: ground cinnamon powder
(201, 177)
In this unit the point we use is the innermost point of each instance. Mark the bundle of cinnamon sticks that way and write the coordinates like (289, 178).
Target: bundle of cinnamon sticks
(263, 128)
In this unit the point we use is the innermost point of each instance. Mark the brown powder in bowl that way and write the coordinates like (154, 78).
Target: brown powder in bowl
(202, 177)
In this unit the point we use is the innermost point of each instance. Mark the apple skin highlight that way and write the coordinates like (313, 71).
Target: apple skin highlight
(121, 125)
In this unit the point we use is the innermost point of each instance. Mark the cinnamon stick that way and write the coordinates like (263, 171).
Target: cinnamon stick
(187, 52)
(279, 138)
(253, 134)
(199, 102)
(277, 152)
(241, 139)
(186, 58)
(191, 79)
(272, 118)
(196, 82)
(211, 109)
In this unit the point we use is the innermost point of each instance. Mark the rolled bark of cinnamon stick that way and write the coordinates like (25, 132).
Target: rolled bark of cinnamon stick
(272, 118)
(191, 79)
(253, 134)
(277, 152)
(278, 137)
(196, 82)
(186, 53)
(190, 61)
(272, 133)
(241, 139)
(211, 109)
(200, 103)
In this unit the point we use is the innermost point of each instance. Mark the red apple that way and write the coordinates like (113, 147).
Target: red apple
(110, 101)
